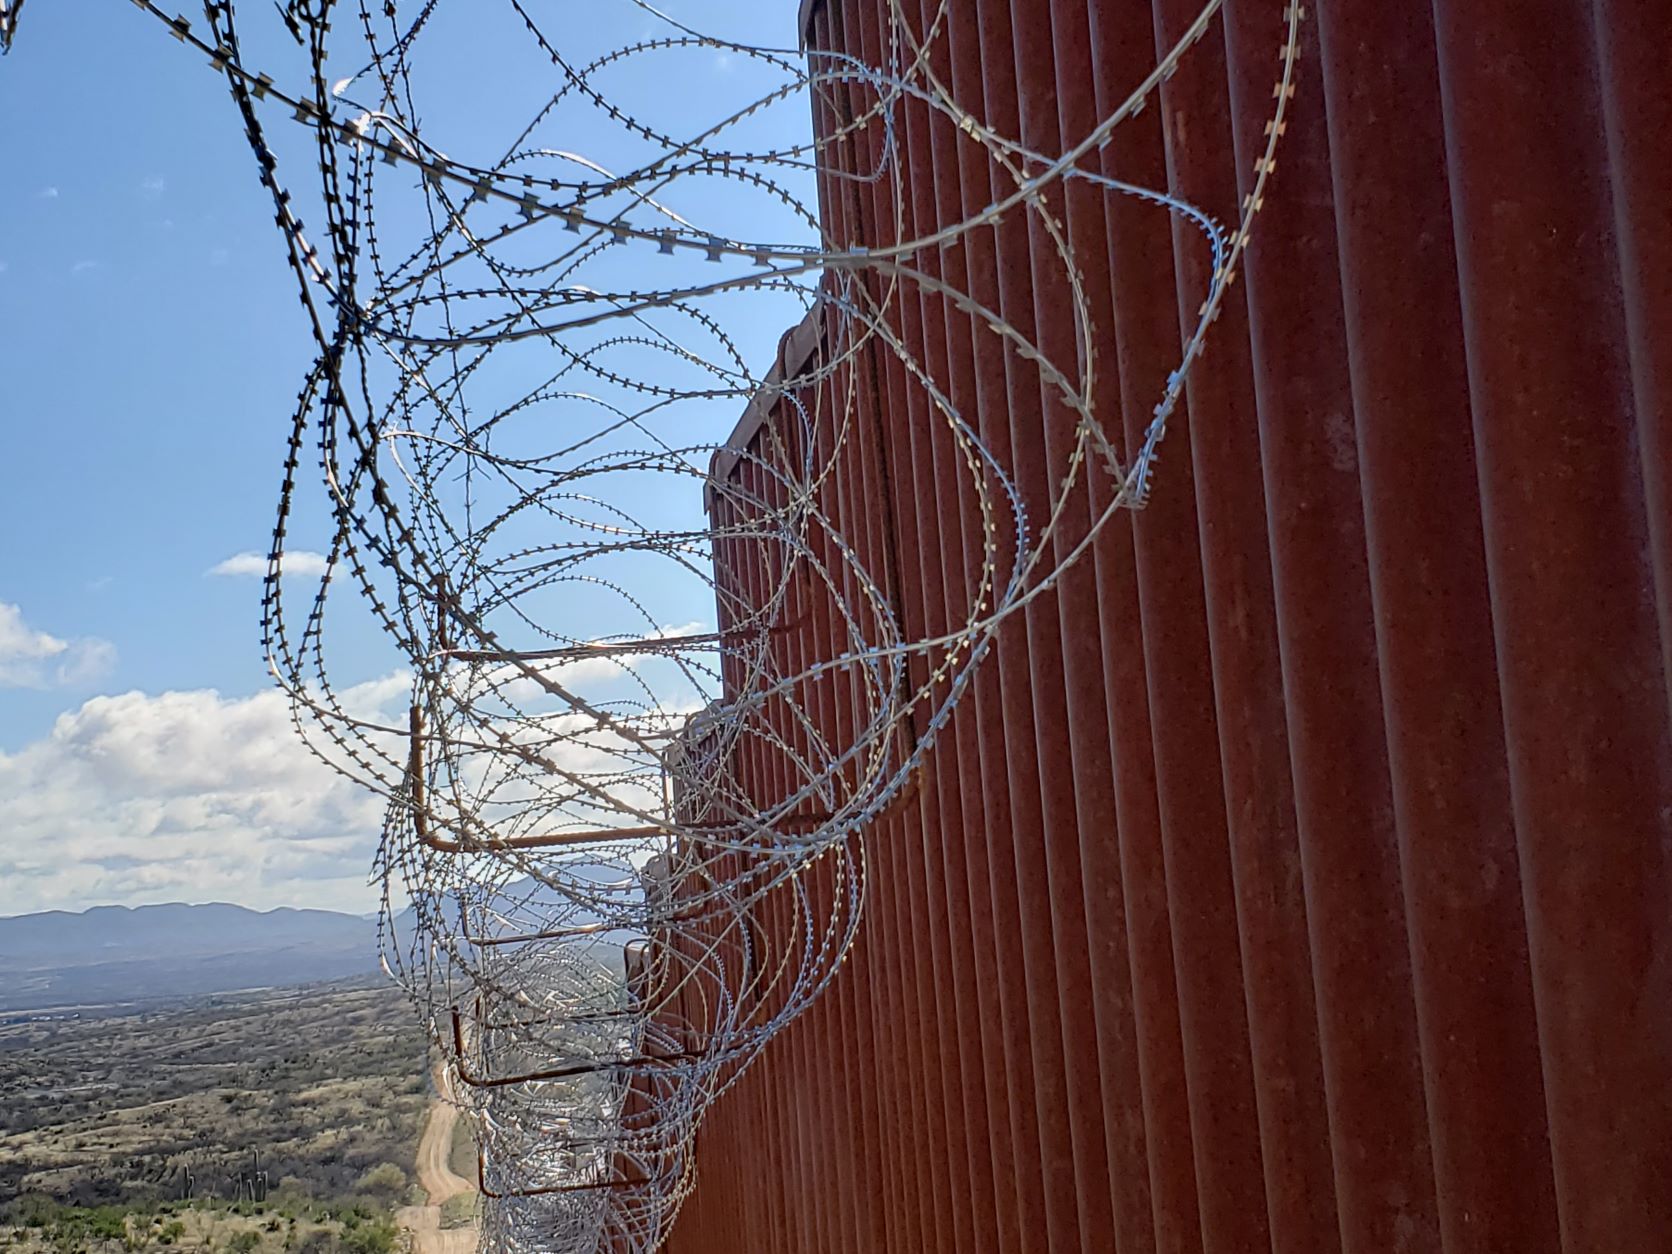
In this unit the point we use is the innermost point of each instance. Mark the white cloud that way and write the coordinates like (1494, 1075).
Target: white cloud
(296, 562)
(196, 796)
(153, 186)
(83, 266)
(187, 795)
(35, 659)
(85, 662)
(49, 193)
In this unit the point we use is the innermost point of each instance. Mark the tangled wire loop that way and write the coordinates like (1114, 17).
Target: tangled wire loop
(526, 366)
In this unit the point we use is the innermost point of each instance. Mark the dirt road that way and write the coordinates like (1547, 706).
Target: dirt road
(439, 1181)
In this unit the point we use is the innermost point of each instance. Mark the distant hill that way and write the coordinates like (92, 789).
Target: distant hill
(118, 954)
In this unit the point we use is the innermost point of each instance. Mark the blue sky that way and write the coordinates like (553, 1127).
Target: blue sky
(150, 346)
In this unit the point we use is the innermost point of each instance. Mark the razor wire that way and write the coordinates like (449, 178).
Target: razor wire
(512, 412)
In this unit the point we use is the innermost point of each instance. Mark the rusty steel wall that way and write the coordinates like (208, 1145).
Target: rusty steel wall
(1297, 874)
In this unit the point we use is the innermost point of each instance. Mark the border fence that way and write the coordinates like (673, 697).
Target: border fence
(1297, 875)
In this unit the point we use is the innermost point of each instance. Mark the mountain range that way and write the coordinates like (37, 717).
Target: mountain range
(118, 954)
(121, 955)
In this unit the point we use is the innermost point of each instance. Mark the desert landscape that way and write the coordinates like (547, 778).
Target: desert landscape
(260, 1121)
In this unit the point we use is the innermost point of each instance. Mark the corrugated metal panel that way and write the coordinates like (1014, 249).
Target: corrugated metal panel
(1297, 874)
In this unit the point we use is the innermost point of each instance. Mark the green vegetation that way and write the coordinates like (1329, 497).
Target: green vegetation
(38, 1225)
(461, 1154)
(385, 1182)
(462, 1210)
(328, 1085)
